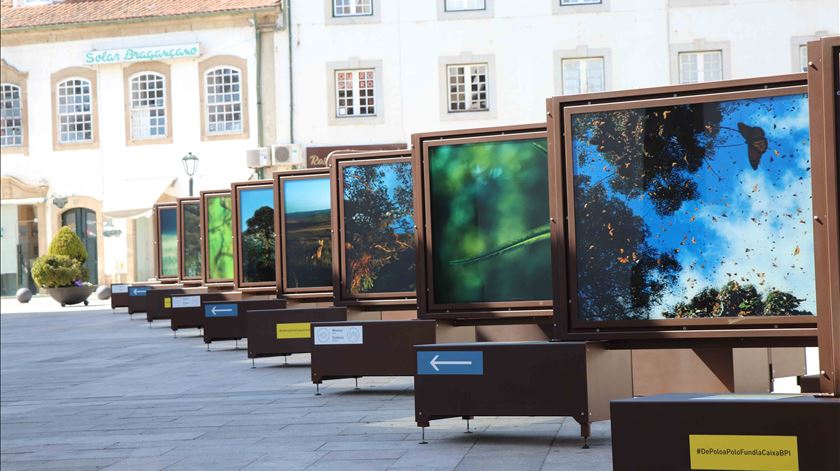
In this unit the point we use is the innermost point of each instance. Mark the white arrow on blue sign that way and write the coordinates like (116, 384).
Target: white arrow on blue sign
(221, 310)
(138, 290)
(450, 362)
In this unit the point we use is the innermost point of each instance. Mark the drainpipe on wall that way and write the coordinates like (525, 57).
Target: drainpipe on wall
(258, 52)
(291, 75)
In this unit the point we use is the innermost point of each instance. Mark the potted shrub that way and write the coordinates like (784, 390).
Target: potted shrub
(62, 272)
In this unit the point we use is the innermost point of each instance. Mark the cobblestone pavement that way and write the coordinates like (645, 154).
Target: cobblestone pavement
(84, 388)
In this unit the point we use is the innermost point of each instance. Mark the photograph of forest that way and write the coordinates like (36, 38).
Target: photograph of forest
(378, 222)
(489, 215)
(168, 237)
(306, 208)
(191, 251)
(256, 221)
(219, 238)
(694, 211)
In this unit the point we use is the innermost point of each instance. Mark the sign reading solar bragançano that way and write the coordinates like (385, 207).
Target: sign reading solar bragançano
(140, 54)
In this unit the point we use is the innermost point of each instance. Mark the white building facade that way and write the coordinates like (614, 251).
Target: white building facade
(318, 73)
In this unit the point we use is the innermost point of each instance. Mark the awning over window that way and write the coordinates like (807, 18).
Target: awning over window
(133, 198)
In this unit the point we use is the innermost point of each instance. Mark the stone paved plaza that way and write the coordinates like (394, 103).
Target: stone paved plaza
(84, 388)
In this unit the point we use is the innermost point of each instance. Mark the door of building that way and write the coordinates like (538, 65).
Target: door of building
(83, 222)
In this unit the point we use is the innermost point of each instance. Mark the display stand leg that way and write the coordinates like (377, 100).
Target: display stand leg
(150, 324)
(468, 426)
(236, 345)
(423, 436)
(317, 389)
(174, 334)
(253, 364)
(285, 360)
(585, 431)
(208, 347)
(357, 383)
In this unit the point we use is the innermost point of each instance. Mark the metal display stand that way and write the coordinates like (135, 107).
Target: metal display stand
(225, 320)
(283, 332)
(726, 432)
(137, 299)
(187, 311)
(159, 301)
(538, 379)
(367, 348)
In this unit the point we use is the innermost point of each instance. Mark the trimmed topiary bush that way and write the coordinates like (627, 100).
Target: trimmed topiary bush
(64, 263)
(66, 242)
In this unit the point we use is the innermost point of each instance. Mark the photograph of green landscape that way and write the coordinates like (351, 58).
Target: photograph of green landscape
(489, 216)
(308, 244)
(379, 242)
(168, 237)
(191, 251)
(219, 238)
(256, 221)
(697, 210)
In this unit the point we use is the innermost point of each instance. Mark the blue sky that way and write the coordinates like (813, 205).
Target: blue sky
(754, 224)
(391, 182)
(311, 194)
(252, 200)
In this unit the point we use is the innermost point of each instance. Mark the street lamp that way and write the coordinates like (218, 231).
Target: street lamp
(190, 166)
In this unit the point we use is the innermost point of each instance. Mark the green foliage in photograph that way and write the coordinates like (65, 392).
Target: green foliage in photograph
(489, 215)
(220, 238)
(168, 240)
(192, 240)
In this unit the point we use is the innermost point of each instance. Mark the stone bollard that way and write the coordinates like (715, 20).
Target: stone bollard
(23, 295)
(103, 292)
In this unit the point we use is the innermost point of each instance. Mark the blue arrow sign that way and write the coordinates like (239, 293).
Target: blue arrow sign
(444, 362)
(138, 290)
(221, 310)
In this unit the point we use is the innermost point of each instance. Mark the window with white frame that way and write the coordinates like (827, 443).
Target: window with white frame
(464, 5)
(803, 58)
(75, 111)
(701, 66)
(354, 93)
(583, 75)
(11, 116)
(148, 105)
(467, 87)
(352, 7)
(579, 2)
(224, 100)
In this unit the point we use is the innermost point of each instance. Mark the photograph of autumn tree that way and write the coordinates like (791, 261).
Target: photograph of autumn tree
(306, 207)
(694, 210)
(219, 238)
(168, 239)
(191, 250)
(256, 221)
(379, 228)
(489, 215)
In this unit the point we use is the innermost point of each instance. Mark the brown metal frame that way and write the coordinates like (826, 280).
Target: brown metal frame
(724, 331)
(339, 254)
(534, 310)
(158, 254)
(182, 202)
(238, 275)
(204, 237)
(824, 101)
(279, 231)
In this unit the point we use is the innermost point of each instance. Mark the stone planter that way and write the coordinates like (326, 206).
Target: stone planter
(71, 294)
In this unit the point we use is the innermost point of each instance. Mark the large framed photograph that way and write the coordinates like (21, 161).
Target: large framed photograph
(189, 239)
(824, 102)
(482, 201)
(253, 216)
(303, 233)
(689, 213)
(374, 248)
(166, 240)
(217, 229)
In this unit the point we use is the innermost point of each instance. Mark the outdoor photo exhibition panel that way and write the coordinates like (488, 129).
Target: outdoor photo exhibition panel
(166, 241)
(374, 248)
(482, 206)
(303, 236)
(253, 216)
(824, 95)
(189, 239)
(689, 213)
(217, 232)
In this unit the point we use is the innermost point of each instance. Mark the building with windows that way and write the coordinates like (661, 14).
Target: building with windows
(102, 98)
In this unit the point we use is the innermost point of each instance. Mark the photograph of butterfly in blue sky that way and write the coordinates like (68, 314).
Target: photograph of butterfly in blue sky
(692, 208)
